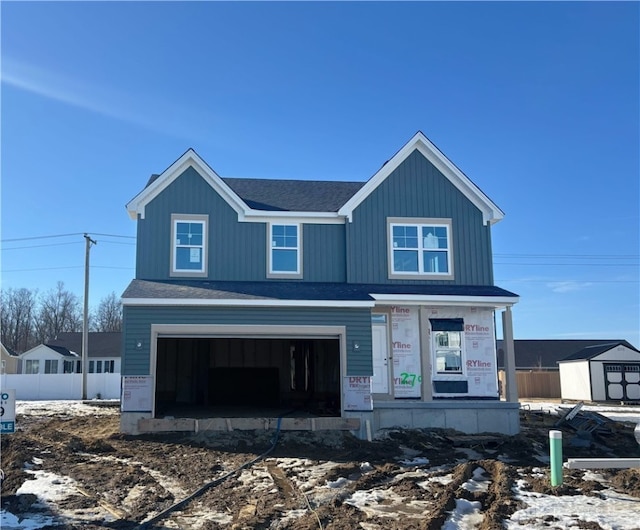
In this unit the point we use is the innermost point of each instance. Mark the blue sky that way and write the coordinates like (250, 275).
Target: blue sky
(538, 103)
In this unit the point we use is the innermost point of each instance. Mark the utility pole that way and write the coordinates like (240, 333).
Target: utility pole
(85, 317)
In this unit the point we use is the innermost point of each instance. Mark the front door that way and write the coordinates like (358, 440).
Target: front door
(380, 380)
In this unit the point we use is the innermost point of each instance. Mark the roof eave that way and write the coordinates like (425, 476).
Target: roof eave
(136, 206)
(490, 212)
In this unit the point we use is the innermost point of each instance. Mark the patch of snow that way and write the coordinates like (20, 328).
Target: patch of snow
(339, 483)
(417, 461)
(478, 482)
(466, 516)
(366, 467)
(63, 408)
(471, 453)
(612, 512)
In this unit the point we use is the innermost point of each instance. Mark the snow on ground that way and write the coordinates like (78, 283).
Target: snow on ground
(622, 413)
(67, 408)
(613, 511)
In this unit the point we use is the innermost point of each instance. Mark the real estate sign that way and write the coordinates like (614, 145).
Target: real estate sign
(137, 393)
(8, 411)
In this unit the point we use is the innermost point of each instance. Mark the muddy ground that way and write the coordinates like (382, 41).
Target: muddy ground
(304, 483)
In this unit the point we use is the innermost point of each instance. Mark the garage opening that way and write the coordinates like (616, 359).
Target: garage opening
(230, 377)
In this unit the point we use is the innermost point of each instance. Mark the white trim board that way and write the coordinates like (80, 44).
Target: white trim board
(446, 300)
(490, 211)
(234, 302)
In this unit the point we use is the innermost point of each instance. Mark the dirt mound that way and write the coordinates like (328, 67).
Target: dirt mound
(405, 479)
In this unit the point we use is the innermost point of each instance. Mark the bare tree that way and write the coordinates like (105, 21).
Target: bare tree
(17, 318)
(60, 311)
(108, 315)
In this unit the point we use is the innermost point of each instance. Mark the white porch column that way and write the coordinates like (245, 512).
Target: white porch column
(511, 383)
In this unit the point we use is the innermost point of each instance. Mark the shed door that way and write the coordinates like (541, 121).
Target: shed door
(622, 381)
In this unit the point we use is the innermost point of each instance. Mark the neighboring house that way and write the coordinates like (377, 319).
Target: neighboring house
(49, 359)
(9, 361)
(544, 354)
(368, 303)
(104, 349)
(604, 372)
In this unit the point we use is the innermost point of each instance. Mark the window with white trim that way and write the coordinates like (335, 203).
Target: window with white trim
(31, 366)
(420, 248)
(51, 366)
(285, 250)
(189, 245)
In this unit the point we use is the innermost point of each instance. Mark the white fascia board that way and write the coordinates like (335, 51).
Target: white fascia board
(490, 212)
(446, 300)
(189, 159)
(184, 302)
(260, 216)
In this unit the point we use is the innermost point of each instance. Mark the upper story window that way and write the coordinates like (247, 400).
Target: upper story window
(285, 251)
(189, 245)
(420, 248)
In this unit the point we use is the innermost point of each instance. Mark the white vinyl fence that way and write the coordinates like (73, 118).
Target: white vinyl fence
(33, 387)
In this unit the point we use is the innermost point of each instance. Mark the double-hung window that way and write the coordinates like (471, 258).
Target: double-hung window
(420, 248)
(447, 345)
(31, 366)
(189, 245)
(51, 366)
(285, 251)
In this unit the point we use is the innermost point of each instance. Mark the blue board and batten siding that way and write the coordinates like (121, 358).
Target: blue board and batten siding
(417, 189)
(138, 321)
(237, 251)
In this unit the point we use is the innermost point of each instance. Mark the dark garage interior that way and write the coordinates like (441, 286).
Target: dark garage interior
(227, 377)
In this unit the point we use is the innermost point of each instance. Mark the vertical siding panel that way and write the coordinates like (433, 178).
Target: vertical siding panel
(417, 189)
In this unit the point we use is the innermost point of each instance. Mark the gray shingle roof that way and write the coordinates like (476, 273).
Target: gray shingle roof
(288, 290)
(101, 344)
(293, 195)
(290, 195)
(61, 350)
(593, 351)
(532, 354)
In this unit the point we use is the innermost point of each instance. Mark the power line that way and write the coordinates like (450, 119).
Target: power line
(40, 237)
(40, 246)
(62, 235)
(569, 256)
(568, 280)
(571, 264)
(114, 235)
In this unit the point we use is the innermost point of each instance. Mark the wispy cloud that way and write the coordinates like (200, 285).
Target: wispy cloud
(146, 112)
(568, 286)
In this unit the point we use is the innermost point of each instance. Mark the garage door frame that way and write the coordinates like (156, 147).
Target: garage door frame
(237, 331)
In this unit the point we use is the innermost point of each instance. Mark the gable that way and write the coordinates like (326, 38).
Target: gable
(46, 351)
(259, 200)
(157, 185)
(490, 212)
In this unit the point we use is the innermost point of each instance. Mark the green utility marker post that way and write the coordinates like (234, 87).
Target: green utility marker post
(555, 447)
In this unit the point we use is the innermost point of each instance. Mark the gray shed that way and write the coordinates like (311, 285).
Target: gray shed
(604, 372)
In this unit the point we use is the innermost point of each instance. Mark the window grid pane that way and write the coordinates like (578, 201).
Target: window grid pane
(189, 246)
(432, 245)
(284, 249)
